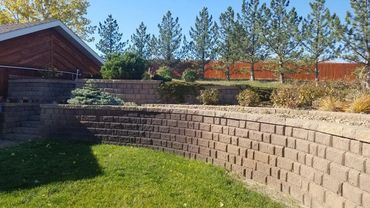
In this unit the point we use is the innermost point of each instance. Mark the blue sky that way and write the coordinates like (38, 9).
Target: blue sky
(129, 13)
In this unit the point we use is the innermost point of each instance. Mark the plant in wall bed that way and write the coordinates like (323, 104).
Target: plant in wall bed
(91, 95)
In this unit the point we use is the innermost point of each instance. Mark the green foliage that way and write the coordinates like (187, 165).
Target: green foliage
(209, 96)
(228, 47)
(91, 95)
(163, 73)
(141, 42)
(248, 98)
(110, 38)
(77, 175)
(355, 33)
(147, 76)
(281, 34)
(204, 35)
(252, 48)
(319, 39)
(169, 40)
(189, 75)
(176, 92)
(125, 66)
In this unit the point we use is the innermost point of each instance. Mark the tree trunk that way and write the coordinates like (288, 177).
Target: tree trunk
(282, 79)
(228, 72)
(317, 71)
(252, 78)
(203, 69)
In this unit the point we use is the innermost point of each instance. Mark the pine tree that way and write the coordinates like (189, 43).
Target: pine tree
(204, 36)
(228, 45)
(282, 35)
(186, 50)
(153, 48)
(169, 40)
(355, 34)
(140, 42)
(110, 38)
(319, 39)
(252, 47)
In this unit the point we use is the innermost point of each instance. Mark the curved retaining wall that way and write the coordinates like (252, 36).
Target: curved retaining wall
(319, 164)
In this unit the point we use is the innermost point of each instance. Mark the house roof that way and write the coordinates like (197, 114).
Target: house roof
(10, 31)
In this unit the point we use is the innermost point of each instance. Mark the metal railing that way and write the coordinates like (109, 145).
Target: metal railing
(75, 75)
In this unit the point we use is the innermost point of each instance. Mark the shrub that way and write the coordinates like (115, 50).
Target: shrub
(360, 104)
(309, 92)
(189, 75)
(248, 98)
(123, 66)
(209, 96)
(163, 73)
(91, 95)
(286, 97)
(176, 92)
(330, 103)
(146, 76)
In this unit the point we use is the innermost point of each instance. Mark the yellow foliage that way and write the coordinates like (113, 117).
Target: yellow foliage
(360, 105)
(331, 103)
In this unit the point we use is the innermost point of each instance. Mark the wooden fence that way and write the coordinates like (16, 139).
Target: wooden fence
(240, 71)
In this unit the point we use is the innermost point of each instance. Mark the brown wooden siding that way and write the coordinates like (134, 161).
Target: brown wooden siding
(45, 49)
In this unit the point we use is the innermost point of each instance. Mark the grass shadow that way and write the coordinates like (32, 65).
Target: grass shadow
(35, 164)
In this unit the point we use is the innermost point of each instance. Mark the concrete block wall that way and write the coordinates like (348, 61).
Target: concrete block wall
(40, 90)
(319, 164)
(12, 115)
(137, 91)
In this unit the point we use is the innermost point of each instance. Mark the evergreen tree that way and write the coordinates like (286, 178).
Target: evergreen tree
(110, 38)
(318, 37)
(355, 34)
(169, 40)
(153, 47)
(140, 42)
(186, 50)
(281, 35)
(228, 45)
(252, 47)
(204, 36)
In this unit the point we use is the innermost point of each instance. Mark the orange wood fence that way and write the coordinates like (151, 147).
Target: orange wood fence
(240, 71)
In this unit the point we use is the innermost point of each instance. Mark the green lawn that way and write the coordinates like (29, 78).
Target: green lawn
(50, 174)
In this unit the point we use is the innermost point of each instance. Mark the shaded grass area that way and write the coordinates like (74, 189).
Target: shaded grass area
(50, 174)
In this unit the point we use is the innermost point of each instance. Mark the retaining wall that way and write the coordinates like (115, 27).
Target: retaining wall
(12, 116)
(319, 164)
(137, 91)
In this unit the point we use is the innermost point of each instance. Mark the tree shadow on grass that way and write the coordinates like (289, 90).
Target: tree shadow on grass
(36, 164)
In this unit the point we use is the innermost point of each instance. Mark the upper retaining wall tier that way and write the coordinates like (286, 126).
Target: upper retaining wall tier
(319, 164)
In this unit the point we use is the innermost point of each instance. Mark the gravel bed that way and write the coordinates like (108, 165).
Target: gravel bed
(352, 119)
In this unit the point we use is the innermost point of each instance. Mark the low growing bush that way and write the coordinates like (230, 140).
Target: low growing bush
(209, 97)
(91, 95)
(163, 73)
(330, 103)
(360, 104)
(176, 92)
(123, 66)
(189, 75)
(286, 97)
(248, 98)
